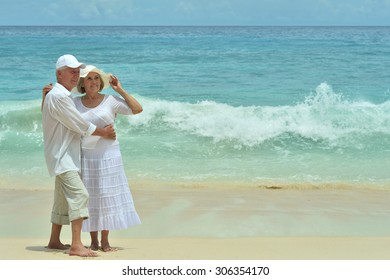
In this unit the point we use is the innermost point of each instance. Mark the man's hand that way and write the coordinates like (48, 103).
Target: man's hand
(109, 132)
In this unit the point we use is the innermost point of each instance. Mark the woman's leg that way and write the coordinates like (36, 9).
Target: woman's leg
(94, 240)
(105, 244)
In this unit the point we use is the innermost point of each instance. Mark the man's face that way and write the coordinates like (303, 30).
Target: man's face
(68, 77)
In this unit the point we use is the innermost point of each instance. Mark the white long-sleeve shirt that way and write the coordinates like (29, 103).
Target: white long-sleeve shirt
(102, 115)
(62, 127)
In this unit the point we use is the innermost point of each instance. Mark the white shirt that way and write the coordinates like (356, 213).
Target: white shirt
(62, 127)
(102, 115)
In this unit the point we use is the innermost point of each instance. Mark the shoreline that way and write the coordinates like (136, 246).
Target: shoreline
(46, 183)
(192, 248)
(198, 222)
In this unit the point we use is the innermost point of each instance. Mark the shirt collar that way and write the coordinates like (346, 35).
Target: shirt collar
(62, 88)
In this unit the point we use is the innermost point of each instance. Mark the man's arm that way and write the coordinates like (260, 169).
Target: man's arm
(107, 132)
(69, 116)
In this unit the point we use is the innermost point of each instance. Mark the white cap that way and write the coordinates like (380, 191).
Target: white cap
(69, 61)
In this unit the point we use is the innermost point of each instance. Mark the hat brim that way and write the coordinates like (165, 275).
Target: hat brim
(106, 78)
(78, 65)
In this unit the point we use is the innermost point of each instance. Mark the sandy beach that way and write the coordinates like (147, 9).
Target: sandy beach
(215, 223)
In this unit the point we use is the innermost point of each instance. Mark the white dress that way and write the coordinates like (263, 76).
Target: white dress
(111, 205)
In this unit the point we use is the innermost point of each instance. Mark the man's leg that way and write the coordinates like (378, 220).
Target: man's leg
(54, 242)
(77, 248)
(59, 217)
(77, 199)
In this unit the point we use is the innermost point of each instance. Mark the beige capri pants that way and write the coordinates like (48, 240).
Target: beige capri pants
(70, 199)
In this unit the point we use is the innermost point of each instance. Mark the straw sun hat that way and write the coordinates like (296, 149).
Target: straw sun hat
(105, 77)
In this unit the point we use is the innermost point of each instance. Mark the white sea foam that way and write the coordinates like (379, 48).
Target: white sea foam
(322, 116)
(325, 137)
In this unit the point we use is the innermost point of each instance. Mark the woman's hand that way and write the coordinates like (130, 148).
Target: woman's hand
(133, 104)
(46, 89)
(115, 84)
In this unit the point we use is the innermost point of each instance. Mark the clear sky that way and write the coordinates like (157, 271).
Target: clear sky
(195, 12)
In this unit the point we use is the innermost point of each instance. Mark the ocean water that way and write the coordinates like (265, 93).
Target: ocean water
(251, 106)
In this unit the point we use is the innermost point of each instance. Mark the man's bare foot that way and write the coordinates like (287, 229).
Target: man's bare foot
(58, 246)
(81, 251)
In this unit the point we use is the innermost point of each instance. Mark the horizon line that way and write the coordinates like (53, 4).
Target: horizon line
(243, 25)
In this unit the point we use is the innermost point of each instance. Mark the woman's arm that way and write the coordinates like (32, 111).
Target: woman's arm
(133, 104)
(45, 90)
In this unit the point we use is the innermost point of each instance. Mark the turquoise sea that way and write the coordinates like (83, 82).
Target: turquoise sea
(252, 106)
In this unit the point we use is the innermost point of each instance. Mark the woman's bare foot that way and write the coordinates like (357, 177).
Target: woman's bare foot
(81, 251)
(107, 248)
(58, 246)
(94, 246)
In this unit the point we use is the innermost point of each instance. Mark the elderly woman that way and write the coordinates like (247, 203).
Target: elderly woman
(111, 204)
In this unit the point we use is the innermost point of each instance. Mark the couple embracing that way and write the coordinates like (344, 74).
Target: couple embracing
(91, 189)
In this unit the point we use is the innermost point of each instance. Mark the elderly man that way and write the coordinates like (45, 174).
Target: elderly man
(63, 127)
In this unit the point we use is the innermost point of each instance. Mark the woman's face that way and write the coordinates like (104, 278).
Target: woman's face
(92, 83)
